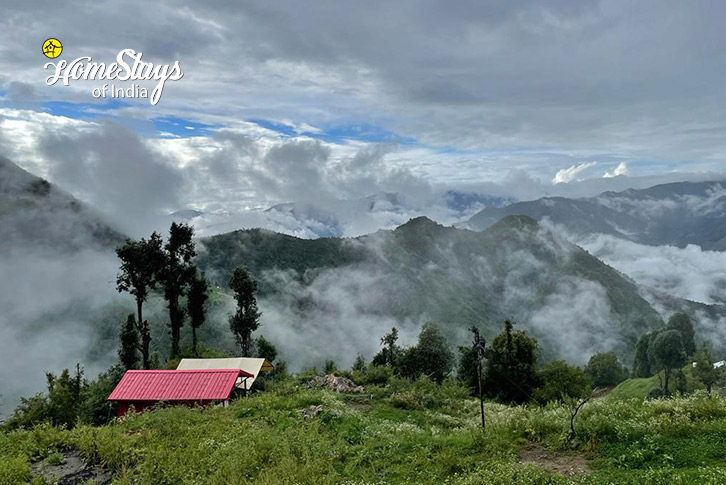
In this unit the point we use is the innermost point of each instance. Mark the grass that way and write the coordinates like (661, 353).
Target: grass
(635, 388)
(640, 387)
(430, 439)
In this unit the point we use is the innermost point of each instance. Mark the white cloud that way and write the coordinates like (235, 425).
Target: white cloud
(549, 75)
(688, 272)
(567, 175)
(620, 170)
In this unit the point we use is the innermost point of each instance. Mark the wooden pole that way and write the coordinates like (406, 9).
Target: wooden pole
(481, 396)
(479, 347)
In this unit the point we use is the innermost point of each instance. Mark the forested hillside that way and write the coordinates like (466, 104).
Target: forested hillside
(425, 271)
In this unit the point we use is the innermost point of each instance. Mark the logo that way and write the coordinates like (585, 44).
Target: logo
(129, 66)
(52, 48)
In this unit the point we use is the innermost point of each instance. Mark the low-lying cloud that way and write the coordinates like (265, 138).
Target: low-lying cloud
(690, 272)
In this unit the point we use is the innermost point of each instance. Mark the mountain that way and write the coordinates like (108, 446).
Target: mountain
(675, 214)
(382, 210)
(36, 214)
(571, 301)
(58, 302)
(186, 214)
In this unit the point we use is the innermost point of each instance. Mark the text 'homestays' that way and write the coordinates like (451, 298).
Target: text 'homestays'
(128, 67)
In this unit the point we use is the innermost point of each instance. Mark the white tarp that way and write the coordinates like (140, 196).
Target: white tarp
(250, 364)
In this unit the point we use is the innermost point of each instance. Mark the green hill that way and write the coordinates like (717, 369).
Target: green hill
(421, 271)
(636, 388)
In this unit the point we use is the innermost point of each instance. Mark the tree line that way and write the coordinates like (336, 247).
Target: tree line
(509, 369)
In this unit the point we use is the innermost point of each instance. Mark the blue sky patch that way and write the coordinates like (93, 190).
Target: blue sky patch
(180, 127)
(83, 111)
(337, 134)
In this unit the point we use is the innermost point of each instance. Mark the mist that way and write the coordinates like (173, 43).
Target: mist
(53, 310)
(690, 272)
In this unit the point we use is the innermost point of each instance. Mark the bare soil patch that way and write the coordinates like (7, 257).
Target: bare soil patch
(73, 471)
(568, 464)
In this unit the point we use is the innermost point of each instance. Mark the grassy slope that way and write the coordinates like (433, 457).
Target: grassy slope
(639, 388)
(635, 388)
(404, 434)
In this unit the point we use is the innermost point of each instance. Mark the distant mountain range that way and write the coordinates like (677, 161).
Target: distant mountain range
(675, 214)
(381, 210)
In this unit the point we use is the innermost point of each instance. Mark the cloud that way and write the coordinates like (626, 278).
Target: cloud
(689, 272)
(21, 93)
(567, 175)
(339, 320)
(620, 170)
(114, 170)
(234, 174)
(52, 304)
(578, 309)
(496, 79)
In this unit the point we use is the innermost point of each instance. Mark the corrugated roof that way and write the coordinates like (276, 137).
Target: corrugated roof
(177, 385)
(254, 365)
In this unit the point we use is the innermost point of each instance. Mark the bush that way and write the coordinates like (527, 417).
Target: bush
(559, 381)
(605, 370)
(375, 375)
(423, 393)
(431, 356)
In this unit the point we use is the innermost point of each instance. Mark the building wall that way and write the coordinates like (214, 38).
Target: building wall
(125, 406)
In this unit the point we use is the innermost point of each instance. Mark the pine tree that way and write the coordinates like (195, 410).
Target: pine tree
(247, 317)
(389, 347)
(266, 349)
(666, 353)
(177, 274)
(511, 366)
(196, 299)
(128, 352)
(641, 363)
(704, 370)
(684, 324)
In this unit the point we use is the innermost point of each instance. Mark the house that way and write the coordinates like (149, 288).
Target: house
(145, 389)
(251, 365)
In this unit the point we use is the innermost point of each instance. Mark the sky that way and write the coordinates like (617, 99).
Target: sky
(327, 100)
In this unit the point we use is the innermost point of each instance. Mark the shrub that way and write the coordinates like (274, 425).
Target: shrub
(376, 375)
(559, 381)
(431, 356)
(605, 370)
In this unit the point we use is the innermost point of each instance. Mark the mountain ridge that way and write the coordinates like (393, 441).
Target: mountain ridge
(423, 270)
(36, 214)
(678, 213)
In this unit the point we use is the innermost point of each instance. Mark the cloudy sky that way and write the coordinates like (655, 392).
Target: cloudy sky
(319, 101)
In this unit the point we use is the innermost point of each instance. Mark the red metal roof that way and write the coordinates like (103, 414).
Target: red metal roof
(177, 385)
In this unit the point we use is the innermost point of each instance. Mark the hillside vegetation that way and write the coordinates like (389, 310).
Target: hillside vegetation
(424, 271)
(402, 432)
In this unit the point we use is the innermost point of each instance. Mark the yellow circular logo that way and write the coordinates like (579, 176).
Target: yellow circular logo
(52, 48)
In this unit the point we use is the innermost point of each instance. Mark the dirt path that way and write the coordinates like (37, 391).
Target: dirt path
(567, 464)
